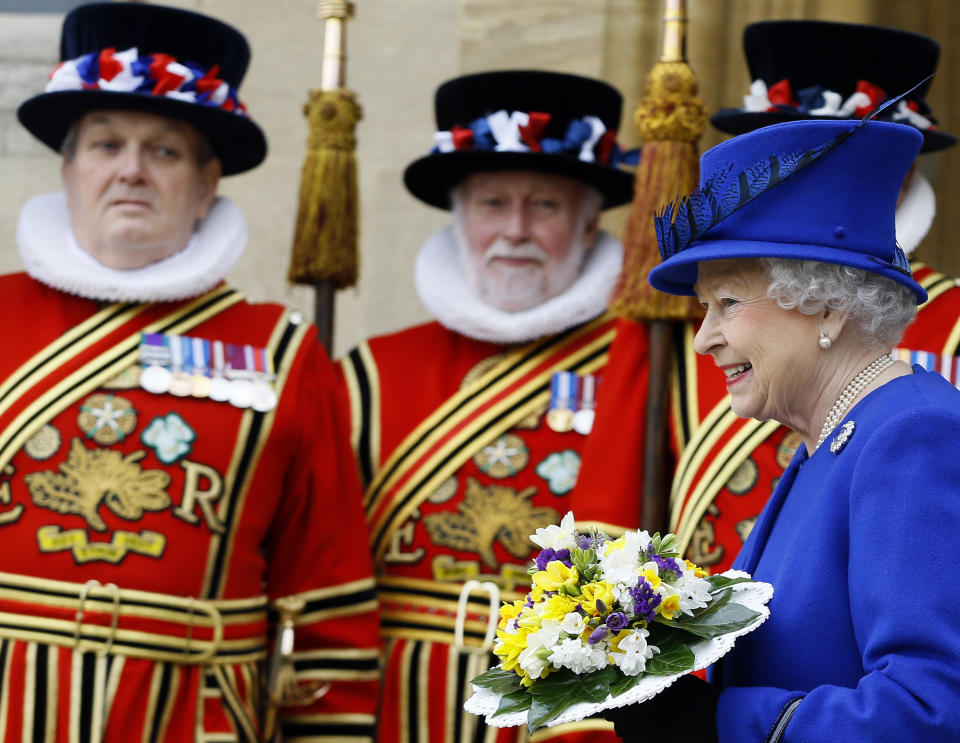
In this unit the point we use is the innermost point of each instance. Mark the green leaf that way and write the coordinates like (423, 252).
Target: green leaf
(727, 617)
(718, 582)
(560, 690)
(674, 657)
(624, 683)
(498, 681)
(515, 701)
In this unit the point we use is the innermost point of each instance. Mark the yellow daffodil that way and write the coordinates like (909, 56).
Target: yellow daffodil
(557, 607)
(510, 647)
(615, 545)
(652, 577)
(669, 606)
(698, 572)
(510, 611)
(591, 592)
(557, 574)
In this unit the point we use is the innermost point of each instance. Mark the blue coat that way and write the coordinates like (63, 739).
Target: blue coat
(861, 546)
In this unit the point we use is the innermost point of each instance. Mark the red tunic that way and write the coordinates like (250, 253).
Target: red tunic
(461, 468)
(144, 534)
(730, 466)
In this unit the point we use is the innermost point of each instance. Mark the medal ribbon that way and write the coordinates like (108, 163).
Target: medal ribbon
(89, 354)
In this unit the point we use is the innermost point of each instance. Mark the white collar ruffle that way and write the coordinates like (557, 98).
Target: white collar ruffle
(444, 291)
(51, 255)
(915, 213)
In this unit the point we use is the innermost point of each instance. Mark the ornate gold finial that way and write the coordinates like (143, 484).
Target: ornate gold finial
(671, 109)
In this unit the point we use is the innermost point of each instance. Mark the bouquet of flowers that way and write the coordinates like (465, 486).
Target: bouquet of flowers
(609, 622)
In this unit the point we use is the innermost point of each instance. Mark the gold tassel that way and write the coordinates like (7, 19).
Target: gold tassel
(325, 241)
(282, 687)
(670, 120)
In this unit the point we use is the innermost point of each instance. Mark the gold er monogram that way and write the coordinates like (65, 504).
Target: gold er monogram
(91, 477)
(488, 515)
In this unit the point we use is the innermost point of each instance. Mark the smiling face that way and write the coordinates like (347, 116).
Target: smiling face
(523, 235)
(135, 187)
(769, 354)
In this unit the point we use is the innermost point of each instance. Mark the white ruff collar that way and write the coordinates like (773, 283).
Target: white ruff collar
(915, 213)
(443, 290)
(51, 256)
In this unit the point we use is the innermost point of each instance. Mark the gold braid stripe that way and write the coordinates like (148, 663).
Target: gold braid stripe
(469, 400)
(713, 428)
(734, 454)
(86, 379)
(511, 410)
(89, 332)
(953, 340)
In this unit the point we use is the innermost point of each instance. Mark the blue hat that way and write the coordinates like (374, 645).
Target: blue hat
(809, 190)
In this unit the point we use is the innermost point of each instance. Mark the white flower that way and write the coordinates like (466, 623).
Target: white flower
(573, 623)
(694, 591)
(578, 656)
(557, 537)
(540, 644)
(634, 652)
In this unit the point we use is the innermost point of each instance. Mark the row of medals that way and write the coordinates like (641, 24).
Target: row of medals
(572, 402)
(165, 371)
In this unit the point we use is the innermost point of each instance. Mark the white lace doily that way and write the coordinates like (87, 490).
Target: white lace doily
(754, 596)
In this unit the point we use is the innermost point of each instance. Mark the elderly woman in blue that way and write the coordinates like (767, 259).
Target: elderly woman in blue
(789, 245)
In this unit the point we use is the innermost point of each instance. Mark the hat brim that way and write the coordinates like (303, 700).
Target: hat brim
(238, 143)
(431, 178)
(678, 274)
(738, 121)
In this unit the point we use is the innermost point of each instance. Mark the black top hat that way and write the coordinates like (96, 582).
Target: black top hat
(156, 59)
(523, 120)
(836, 57)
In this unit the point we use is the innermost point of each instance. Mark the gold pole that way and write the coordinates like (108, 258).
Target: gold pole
(670, 120)
(325, 242)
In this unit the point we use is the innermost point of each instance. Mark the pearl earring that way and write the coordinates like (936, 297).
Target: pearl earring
(824, 342)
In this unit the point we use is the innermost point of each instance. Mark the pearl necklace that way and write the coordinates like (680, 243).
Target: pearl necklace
(850, 393)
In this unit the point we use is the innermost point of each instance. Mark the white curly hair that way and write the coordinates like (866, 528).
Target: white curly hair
(878, 307)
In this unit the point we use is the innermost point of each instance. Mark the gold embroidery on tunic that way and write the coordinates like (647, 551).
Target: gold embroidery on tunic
(703, 547)
(744, 478)
(106, 418)
(52, 539)
(505, 457)
(487, 515)
(91, 477)
(43, 444)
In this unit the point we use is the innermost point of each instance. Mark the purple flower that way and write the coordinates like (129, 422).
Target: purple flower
(601, 607)
(645, 600)
(591, 541)
(667, 564)
(598, 634)
(548, 554)
(617, 621)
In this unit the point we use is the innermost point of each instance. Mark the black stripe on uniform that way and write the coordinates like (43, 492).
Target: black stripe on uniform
(160, 706)
(40, 682)
(335, 664)
(364, 455)
(246, 459)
